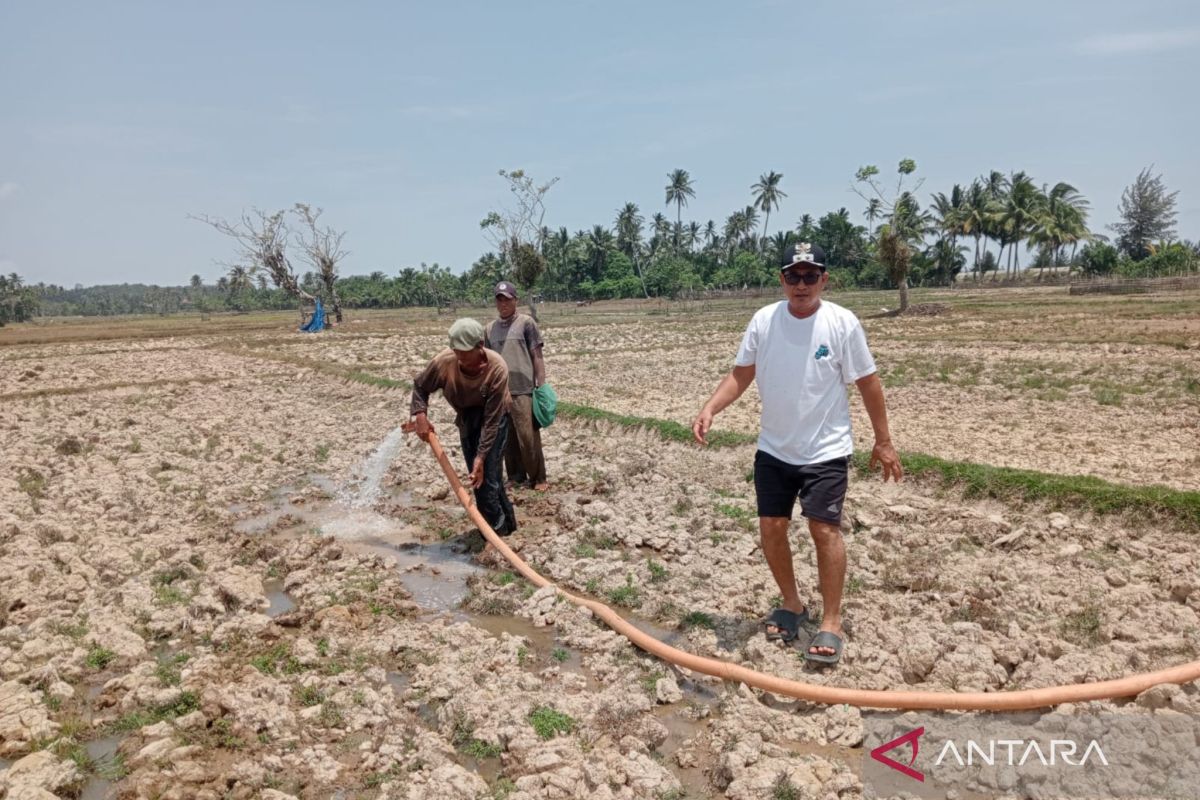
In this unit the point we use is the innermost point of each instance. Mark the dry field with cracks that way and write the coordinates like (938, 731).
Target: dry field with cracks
(224, 576)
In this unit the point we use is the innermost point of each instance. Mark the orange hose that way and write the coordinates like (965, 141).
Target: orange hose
(862, 698)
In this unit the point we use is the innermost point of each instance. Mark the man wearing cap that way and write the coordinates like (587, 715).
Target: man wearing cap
(474, 381)
(803, 351)
(516, 338)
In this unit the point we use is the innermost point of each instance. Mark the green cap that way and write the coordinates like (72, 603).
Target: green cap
(465, 334)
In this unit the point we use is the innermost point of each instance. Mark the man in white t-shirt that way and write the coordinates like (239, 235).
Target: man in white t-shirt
(803, 351)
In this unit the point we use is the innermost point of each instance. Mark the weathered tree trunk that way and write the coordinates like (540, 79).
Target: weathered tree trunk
(903, 295)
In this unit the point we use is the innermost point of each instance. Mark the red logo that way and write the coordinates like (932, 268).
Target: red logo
(910, 738)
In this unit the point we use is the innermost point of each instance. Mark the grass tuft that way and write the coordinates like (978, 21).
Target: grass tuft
(1063, 491)
(668, 429)
(548, 723)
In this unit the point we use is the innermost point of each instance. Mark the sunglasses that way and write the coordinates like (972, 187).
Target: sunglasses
(809, 277)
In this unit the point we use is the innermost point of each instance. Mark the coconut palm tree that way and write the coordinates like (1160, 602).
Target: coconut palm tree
(778, 243)
(806, 229)
(598, 242)
(767, 195)
(948, 213)
(751, 216)
(1020, 213)
(995, 189)
(629, 230)
(874, 210)
(974, 216)
(1062, 220)
(240, 279)
(679, 189)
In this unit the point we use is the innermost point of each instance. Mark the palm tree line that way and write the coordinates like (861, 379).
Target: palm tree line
(1005, 211)
(997, 222)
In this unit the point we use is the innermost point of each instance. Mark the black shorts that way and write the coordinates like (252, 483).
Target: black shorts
(821, 487)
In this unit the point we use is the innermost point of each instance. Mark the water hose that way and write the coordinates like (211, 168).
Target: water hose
(1023, 699)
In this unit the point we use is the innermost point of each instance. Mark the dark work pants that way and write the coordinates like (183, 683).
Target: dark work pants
(490, 497)
(523, 457)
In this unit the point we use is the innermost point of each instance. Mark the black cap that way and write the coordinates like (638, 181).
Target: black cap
(802, 253)
(506, 289)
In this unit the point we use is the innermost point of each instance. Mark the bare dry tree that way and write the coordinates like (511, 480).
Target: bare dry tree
(263, 240)
(322, 248)
(518, 232)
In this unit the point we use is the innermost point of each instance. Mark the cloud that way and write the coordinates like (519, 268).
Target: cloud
(8, 189)
(1153, 42)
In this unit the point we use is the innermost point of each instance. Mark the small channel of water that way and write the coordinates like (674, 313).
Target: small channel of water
(436, 575)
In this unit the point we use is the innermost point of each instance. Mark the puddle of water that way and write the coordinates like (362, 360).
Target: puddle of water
(103, 748)
(98, 789)
(434, 574)
(102, 751)
(665, 635)
(399, 681)
(281, 601)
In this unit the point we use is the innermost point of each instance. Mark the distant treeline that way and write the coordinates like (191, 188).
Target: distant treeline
(660, 257)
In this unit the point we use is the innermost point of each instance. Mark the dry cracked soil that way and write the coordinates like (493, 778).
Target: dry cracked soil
(224, 573)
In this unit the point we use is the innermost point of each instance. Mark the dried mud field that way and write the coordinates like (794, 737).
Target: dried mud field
(224, 573)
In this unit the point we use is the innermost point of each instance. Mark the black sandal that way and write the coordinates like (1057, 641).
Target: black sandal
(786, 623)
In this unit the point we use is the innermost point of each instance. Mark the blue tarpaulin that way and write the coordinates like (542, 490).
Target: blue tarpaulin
(317, 323)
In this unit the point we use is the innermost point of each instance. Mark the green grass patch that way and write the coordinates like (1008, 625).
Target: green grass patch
(358, 376)
(1082, 627)
(735, 512)
(627, 595)
(697, 619)
(560, 654)
(32, 483)
(167, 670)
(310, 696)
(278, 659)
(1085, 491)
(186, 703)
(479, 749)
(548, 723)
(74, 630)
(668, 429)
(99, 657)
(657, 571)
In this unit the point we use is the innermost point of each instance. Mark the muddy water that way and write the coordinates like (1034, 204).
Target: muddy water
(436, 574)
(103, 753)
(281, 601)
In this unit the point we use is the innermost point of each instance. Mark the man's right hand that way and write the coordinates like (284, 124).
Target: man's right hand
(423, 427)
(702, 425)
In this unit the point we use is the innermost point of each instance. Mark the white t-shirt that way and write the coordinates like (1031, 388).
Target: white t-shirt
(802, 367)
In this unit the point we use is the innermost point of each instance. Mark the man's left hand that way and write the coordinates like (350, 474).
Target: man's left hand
(885, 456)
(476, 476)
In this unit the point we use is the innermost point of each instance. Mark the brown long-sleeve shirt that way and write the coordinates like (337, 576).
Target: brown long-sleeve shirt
(487, 390)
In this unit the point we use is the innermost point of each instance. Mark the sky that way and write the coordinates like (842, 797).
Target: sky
(118, 120)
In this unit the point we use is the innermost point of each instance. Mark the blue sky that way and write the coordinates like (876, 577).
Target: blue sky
(119, 118)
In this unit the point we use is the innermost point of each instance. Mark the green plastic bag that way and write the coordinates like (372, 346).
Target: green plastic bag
(545, 405)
